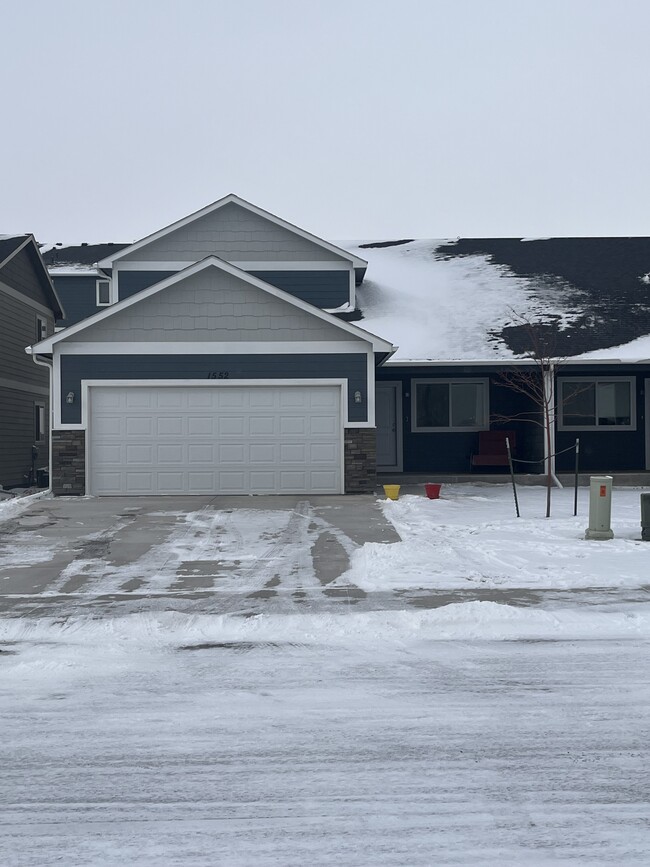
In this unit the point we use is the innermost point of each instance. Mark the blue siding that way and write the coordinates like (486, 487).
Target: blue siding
(327, 289)
(607, 450)
(75, 368)
(451, 452)
(130, 282)
(78, 296)
(321, 288)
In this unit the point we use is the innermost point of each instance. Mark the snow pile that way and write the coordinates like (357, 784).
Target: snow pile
(635, 350)
(470, 538)
(446, 309)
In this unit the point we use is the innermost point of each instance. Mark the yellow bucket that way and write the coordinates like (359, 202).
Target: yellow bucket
(392, 492)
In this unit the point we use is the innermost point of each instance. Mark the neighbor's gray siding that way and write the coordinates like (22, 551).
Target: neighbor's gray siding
(320, 288)
(213, 306)
(235, 234)
(131, 282)
(78, 296)
(17, 429)
(20, 274)
(75, 368)
(18, 330)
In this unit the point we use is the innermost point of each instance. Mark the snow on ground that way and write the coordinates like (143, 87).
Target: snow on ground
(435, 308)
(127, 745)
(474, 733)
(470, 538)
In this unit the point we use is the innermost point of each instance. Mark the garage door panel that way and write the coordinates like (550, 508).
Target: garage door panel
(170, 453)
(233, 427)
(139, 482)
(138, 398)
(169, 425)
(216, 439)
(259, 426)
(139, 454)
(293, 426)
(201, 453)
(200, 426)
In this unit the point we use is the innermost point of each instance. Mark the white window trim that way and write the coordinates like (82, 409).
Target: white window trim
(39, 406)
(474, 380)
(97, 301)
(631, 380)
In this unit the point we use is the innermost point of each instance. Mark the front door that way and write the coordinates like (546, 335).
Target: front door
(388, 407)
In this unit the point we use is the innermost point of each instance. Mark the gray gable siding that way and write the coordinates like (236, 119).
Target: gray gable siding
(216, 306)
(131, 282)
(78, 296)
(75, 368)
(235, 234)
(320, 288)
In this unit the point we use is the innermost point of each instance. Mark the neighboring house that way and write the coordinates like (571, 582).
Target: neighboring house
(28, 307)
(234, 352)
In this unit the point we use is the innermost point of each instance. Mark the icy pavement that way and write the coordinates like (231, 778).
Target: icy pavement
(249, 686)
(180, 741)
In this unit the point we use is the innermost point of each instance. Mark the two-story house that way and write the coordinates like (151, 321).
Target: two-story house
(215, 364)
(29, 307)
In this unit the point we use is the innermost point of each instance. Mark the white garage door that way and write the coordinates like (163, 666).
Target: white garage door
(203, 440)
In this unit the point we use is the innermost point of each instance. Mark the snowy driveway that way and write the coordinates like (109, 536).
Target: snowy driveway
(234, 554)
(218, 684)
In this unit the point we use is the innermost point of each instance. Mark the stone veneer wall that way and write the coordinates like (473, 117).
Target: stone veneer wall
(360, 461)
(68, 462)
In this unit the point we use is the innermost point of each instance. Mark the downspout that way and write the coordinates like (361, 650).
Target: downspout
(50, 367)
(549, 419)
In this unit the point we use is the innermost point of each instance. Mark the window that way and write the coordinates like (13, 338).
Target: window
(449, 404)
(103, 293)
(41, 328)
(39, 421)
(597, 404)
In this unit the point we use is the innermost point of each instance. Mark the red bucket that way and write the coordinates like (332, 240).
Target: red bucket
(432, 491)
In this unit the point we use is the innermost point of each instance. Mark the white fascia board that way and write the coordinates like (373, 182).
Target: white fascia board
(504, 362)
(45, 346)
(215, 206)
(270, 347)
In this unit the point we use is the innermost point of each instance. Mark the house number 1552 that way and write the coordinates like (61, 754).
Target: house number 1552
(218, 374)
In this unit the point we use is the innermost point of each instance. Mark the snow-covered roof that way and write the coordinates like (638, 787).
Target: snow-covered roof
(463, 299)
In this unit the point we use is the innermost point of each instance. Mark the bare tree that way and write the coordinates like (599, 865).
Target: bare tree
(536, 382)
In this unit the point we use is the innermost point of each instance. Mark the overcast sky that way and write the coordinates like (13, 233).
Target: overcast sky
(352, 118)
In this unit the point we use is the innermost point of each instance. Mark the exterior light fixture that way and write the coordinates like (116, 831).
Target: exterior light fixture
(69, 398)
(357, 397)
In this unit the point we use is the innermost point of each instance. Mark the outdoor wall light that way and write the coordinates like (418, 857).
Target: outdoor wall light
(357, 397)
(69, 398)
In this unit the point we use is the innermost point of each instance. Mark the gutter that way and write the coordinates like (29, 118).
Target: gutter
(50, 367)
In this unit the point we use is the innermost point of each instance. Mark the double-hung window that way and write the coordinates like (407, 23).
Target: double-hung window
(587, 403)
(449, 405)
